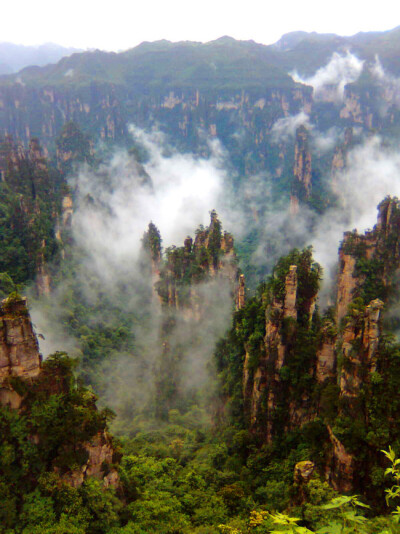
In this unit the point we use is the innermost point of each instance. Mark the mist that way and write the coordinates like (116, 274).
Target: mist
(285, 128)
(336, 74)
(113, 206)
(389, 84)
(371, 173)
(124, 200)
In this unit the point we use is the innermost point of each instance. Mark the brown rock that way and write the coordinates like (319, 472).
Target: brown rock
(19, 349)
(303, 472)
(302, 160)
(67, 211)
(289, 308)
(326, 361)
(241, 299)
(372, 330)
(341, 468)
(347, 281)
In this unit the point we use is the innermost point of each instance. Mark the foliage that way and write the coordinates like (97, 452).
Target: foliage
(29, 205)
(44, 440)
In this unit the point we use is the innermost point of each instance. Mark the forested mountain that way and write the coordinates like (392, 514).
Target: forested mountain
(251, 381)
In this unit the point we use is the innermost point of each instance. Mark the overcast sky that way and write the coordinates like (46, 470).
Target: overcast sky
(122, 24)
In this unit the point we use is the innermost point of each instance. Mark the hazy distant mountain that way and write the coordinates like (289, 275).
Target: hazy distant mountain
(217, 65)
(14, 57)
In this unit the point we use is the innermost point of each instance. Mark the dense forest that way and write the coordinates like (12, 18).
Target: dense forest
(223, 378)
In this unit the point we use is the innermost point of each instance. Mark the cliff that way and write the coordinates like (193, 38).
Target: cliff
(334, 372)
(31, 193)
(97, 95)
(196, 286)
(302, 165)
(210, 256)
(289, 308)
(72, 441)
(19, 349)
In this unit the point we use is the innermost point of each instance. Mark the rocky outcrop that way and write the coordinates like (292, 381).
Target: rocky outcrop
(368, 246)
(340, 465)
(359, 348)
(325, 367)
(358, 107)
(302, 185)
(264, 386)
(339, 159)
(303, 472)
(241, 293)
(341, 354)
(289, 307)
(347, 280)
(19, 349)
(302, 160)
(67, 211)
(99, 465)
(43, 278)
(210, 256)
(21, 371)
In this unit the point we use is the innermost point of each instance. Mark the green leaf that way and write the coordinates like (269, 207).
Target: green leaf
(337, 502)
(332, 528)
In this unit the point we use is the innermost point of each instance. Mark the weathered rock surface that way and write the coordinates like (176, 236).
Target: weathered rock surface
(289, 307)
(345, 352)
(99, 464)
(303, 472)
(20, 358)
(210, 257)
(19, 349)
(241, 293)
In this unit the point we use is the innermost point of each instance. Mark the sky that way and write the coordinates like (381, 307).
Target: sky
(121, 24)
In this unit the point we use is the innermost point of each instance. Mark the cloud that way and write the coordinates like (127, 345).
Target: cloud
(333, 77)
(389, 84)
(323, 142)
(372, 172)
(176, 193)
(113, 206)
(285, 128)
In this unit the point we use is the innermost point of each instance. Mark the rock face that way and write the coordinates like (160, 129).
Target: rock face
(19, 349)
(336, 359)
(265, 385)
(20, 359)
(100, 455)
(303, 471)
(289, 307)
(340, 465)
(301, 188)
(302, 160)
(361, 331)
(67, 211)
(241, 293)
(210, 256)
(325, 368)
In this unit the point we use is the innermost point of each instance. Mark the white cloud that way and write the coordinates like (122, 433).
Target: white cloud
(286, 127)
(341, 70)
